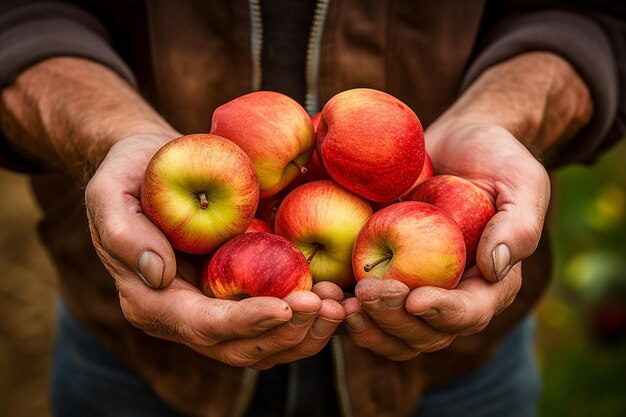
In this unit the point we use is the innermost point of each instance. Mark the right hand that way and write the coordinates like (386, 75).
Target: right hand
(257, 332)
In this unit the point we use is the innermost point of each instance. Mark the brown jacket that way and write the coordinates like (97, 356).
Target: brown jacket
(196, 56)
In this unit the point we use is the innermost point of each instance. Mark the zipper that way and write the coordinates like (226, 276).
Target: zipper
(256, 40)
(339, 366)
(311, 101)
(251, 376)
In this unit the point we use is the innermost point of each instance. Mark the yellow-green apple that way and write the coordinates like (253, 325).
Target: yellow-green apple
(412, 242)
(323, 219)
(200, 190)
(255, 264)
(370, 143)
(258, 225)
(467, 204)
(274, 130)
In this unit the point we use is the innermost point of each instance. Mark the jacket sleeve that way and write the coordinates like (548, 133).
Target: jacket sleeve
(592, 39)
(31, 32)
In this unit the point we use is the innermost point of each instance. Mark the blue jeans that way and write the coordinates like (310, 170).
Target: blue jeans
(507, 386)
(89, 381)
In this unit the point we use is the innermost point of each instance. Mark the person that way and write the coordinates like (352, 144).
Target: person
(91, 90)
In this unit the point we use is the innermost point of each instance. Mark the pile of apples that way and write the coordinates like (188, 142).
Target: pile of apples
(277, 201)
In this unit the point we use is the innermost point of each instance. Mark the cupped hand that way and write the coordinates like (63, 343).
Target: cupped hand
(258, 332)
(394, 322)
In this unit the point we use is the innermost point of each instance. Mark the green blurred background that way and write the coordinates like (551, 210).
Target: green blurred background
(582, 320)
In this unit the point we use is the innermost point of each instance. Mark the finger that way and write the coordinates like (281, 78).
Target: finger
(328, 290)
(183, 314)
(513, 233)
(247, 352)
(329, 318)
(368, 335)
(120, 228)
(467, 309)
(384, 300)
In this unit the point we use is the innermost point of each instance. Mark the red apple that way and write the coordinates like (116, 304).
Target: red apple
(323, 219)
(427, 172)
(413, 242)
(467, 204)
(200, 190)
(370, 143)
(258, 225)
(274, 130)
(256, 264)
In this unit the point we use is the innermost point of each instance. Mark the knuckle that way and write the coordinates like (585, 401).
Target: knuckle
(111, 234)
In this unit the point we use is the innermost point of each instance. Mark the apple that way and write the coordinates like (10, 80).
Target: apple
(200, 190)
(370, 143)
(258, 225)
(274, 130)
(428, 171)
(467, 204)
(253, 265)
(412, 242)
(323, 220)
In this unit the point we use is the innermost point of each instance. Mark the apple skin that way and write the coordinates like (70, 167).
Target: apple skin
(370, 143)
(258, 225)
(426, 246)
(255, 265)
(275, 132)
(428, 171)
(323, 219)
(188, 166)
(463, 201)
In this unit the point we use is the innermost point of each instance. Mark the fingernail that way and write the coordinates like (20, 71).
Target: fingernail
(393, 300)
(355, 321)
(269, 323)
(301, 319)
(322, 327)
(150, 266)
(501, 260)
(431, 313)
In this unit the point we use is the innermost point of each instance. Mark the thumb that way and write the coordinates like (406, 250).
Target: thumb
(121, 231)
(513, 233)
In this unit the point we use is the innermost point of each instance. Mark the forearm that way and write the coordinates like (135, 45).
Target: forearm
(537, 96)
(68, 112)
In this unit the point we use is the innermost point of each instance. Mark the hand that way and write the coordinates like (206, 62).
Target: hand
(257, 332)
(391, 321)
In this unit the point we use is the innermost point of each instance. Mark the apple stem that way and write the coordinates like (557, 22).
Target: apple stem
(302, 170)
(369, 267)
(204, 202)
(310, 258)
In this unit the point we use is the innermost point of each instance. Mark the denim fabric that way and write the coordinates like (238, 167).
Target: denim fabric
(88, 381)
(508, 386)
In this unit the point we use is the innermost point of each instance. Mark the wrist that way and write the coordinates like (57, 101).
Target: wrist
(68, 112)
(537, 97)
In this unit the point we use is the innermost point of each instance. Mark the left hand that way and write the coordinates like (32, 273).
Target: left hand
(394, 322)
